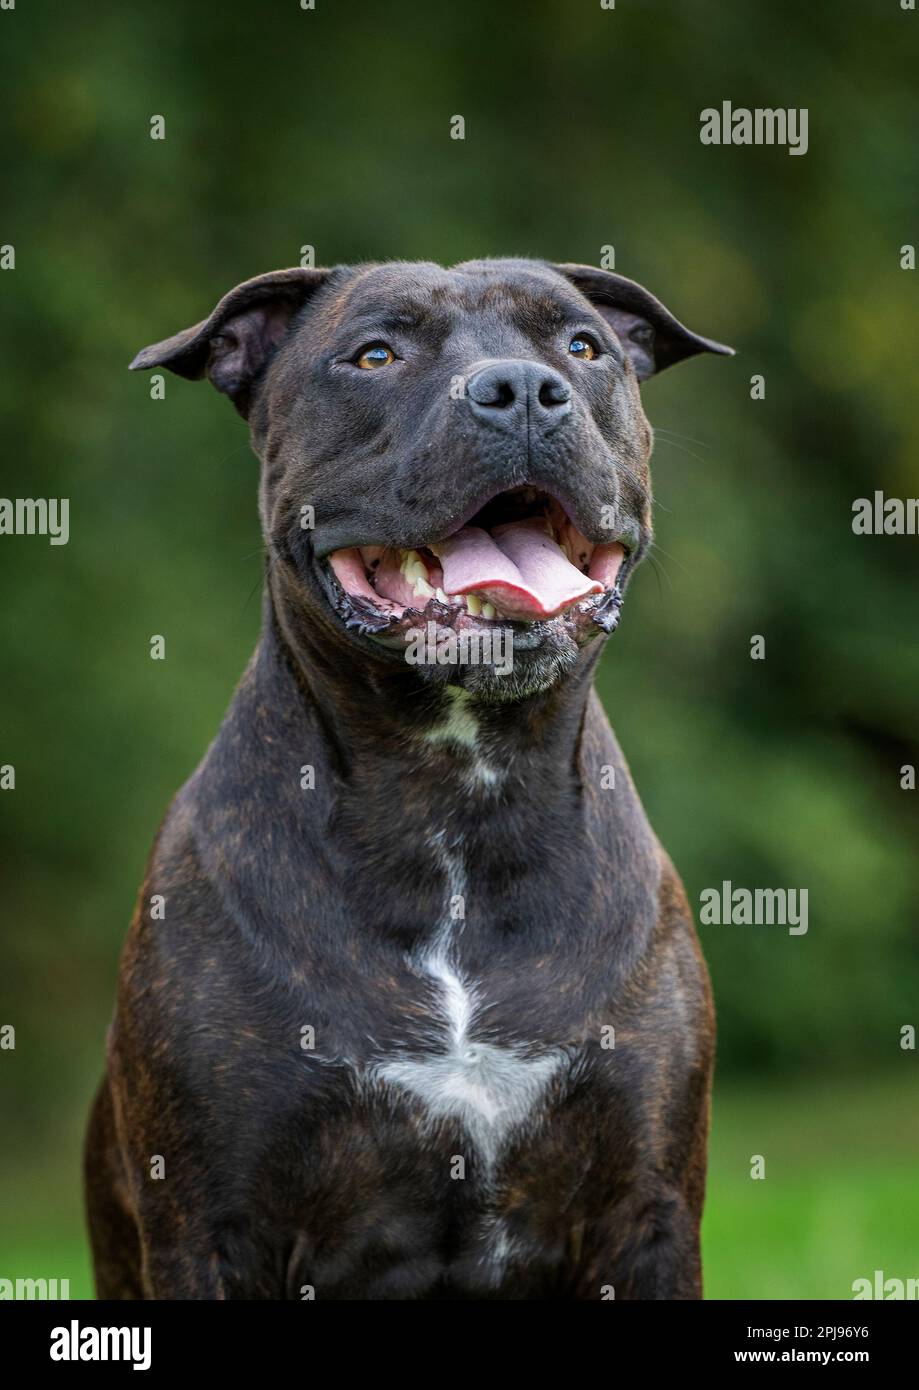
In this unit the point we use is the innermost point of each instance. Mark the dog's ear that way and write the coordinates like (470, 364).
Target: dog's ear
(237, 341)
(653, 339)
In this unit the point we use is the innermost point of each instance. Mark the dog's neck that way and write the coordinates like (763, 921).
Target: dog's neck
(395, 790)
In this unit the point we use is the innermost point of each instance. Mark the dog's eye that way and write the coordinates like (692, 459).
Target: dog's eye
(583, 348)
(376, 355)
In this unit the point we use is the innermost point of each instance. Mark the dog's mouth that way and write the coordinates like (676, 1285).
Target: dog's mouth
(518, 561)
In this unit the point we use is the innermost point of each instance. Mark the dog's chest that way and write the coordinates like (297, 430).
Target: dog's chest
(461, 1079)
(460, 1069)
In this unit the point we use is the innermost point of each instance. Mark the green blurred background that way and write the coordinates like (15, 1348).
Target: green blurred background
(331, 128)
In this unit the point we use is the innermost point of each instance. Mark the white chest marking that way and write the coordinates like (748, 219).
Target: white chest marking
(461, 727)
(490, 1090)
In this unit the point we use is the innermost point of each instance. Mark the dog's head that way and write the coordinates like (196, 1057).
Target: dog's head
(462, 447)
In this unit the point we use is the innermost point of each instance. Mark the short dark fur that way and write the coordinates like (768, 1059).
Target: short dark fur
(285, 908)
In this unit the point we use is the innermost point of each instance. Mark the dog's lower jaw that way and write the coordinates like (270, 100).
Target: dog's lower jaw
(533, 672)
(520, 673)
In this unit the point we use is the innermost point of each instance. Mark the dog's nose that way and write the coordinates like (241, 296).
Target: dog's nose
(518, 394)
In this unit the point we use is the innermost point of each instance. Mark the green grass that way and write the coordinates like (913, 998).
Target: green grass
(838, 1200)
(839, 1196)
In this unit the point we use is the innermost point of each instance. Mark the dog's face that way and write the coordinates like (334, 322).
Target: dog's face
(464, 448)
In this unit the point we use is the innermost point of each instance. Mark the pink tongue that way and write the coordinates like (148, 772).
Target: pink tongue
(518, 567)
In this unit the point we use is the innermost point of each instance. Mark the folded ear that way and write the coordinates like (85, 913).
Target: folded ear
(237, 341)
(653, 339)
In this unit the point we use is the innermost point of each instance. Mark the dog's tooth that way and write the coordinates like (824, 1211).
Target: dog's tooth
(413, 567)
(441, 595)
(489, 610)
(474, 604)
(422, 588)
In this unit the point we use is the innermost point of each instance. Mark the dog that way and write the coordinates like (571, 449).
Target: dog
(412, 1004)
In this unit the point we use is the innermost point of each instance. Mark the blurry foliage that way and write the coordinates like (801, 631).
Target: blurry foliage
(330, 127)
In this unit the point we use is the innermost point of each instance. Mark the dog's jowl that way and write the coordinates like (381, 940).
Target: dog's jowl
(422, 1012)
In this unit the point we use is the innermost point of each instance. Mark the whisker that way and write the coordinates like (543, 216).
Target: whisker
(658, 571)
(655, 547)
(674, 444)
(263, 576)
(675, 434)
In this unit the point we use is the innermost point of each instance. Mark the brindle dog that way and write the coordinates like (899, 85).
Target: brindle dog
(412, 1004)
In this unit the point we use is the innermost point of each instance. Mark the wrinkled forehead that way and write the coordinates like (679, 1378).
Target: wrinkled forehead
(421, 297)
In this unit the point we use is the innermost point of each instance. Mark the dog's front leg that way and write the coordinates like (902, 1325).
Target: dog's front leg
(201, 1269)
(146, 1240)
(192, 1228)
(193, 1248)
(659, 1260)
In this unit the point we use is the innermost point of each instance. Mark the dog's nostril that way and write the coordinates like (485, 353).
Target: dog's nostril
(503, 395)
(554, 391)
(492, 391)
